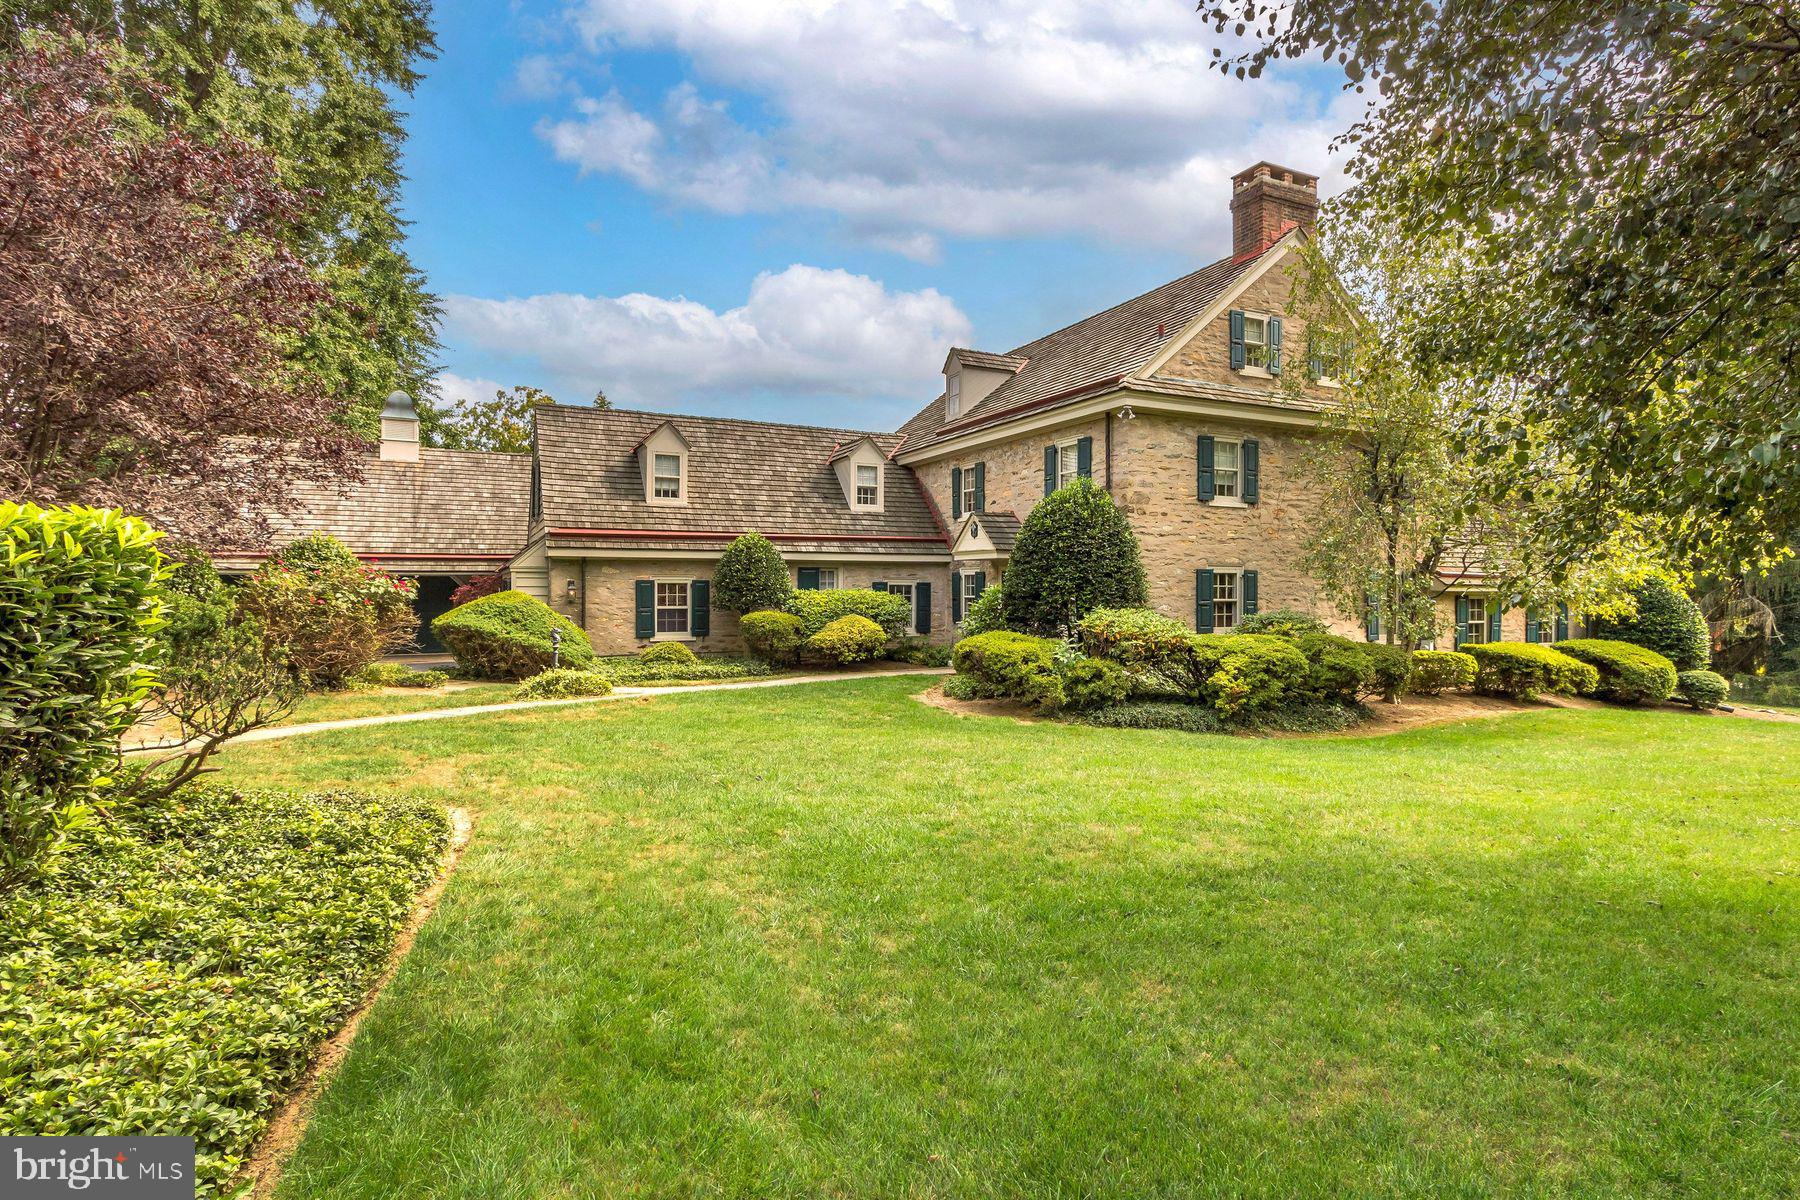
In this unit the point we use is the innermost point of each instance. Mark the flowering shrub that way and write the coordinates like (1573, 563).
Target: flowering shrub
(330, 612)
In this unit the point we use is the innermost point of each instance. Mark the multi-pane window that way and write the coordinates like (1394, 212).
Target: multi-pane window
(1068, 462)
(966, 582)
(667, 485)
(953, 395)
(906, 590)
(1225, 600)
(671, 606)
(1256, 341)
(1475, 629)
(968, 489)
(1225, 469)
(828, 579)
(868, 482)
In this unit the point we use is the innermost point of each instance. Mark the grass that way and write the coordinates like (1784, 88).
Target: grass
(828, 941)
(339, 706)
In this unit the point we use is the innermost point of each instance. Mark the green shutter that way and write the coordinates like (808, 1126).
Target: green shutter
(646, 609)
(980, 583)
(1203, 465)
(1315, 362)
(1274, 345)
(1237, 339)
(1462, 619)
(878, 586)
(956, 608)
(1247, 586)
(1372, 617)
(1562, 622)
(809, 579)
(1203, 601)
(1531, 626)
(1049, 469)
(1084, 457)
(955, 493)
(1494, 622)
(1250, 459)
(980, 487)
(922, 607)
(700, 608)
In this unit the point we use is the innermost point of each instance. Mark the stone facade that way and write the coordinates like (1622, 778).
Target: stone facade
(1206, 358)
(605, 598)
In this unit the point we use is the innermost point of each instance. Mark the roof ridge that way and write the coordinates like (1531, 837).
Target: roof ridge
(586, 409)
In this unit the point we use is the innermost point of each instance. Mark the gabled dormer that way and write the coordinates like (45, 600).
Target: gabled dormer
(970, 376)
(862, 472)
(663, 460)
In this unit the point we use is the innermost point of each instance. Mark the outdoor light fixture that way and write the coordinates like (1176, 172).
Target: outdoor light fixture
(569, 590)
(1125, 414)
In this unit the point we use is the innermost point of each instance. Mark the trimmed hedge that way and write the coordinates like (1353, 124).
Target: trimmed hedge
(564, 683)
(81, 618)
(1089, 683)
(1236, 673)
(772, 636)
(849, 639)
(1703, 689)
(180, 971)
(920, 653)
(633, 671)
(507, 636)
(1251, 672)
(1014, 666)
(1521, 670)
(1282, 622)
(1668, 622)
(668, 652)
(378, 675)
(1629, 674)
(1435, 671)
(1146, 642)
(1339, 669)
(1393, 670)
(817, 609)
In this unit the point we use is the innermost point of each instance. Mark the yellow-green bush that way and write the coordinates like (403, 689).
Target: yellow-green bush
(1437, 671)
(507, 636)
(1521, 670)
(1007, 665)
(772, 636)
(1629, 674)
(847, 640)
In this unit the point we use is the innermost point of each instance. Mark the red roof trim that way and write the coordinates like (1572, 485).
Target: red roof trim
(422, 557)
(664, 535)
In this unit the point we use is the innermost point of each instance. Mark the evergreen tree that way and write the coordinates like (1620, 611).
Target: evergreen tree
(1075, 553)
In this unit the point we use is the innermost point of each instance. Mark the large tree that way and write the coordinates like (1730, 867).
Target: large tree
(1622, 184)
(503, 423)
(315, 85)
(147, 302)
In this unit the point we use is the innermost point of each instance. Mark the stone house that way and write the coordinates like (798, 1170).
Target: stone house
(1173, 401)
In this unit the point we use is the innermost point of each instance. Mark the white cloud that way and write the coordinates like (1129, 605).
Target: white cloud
(914, 119)
(454, 389)
(802, 332)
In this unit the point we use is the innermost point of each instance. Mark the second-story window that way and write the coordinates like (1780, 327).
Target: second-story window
(868, 483)
(1225, 470)
(1256, 341)
(968, 488)
(667, 485)
(1068, 462)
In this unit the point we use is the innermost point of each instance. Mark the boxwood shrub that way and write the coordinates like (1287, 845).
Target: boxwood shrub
(1090, 683)
(1147, 643)
(1629, 674)
(1435, 671)
(668, 652)
(1338, 668)
(1283, 622)
(849, 639)
(772, 636)
(817, 609)
(564, 683)
(180, 970)
(507, 636)
(1703, 689)
(1013, 666)
(390, 674)
(1521, 670)
(634, 672)
(1393, 670)
(1236, 673)
(1250, 672)
(81, 616)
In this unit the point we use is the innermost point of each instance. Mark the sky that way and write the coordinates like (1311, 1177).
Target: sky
(790, 210)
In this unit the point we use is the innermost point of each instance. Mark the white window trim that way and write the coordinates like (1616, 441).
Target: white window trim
(681, 497)
(966, 497)
(1472, 623)
(1237, 601)
(965, 585)
(953, 395)
(1073, 445)
(657, 608)
(1236, 501)
(833, 585)
(912, 603)
(856, 500)
(1249, 368)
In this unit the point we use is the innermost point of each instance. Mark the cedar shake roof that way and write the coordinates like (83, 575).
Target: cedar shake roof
(1002, 529)
(981, 358)
(1094, 351)
(457, 507)
(742, 475)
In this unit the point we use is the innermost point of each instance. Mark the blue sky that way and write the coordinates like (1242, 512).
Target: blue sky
(790, 209)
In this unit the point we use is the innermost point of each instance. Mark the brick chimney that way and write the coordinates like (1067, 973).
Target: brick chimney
(1266, 201)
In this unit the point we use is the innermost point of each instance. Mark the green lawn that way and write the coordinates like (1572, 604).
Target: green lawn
(828, 941)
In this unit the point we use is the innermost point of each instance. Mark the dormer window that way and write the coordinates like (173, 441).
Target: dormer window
(868, 485)
(859, 467)
(668, 477)
(952, 395)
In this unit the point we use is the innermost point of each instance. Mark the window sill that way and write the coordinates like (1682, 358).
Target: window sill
(1256, 372)
(1226, 502)
(666, 501)
(674, 637)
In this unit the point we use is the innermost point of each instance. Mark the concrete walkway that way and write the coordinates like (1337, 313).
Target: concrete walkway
(273, 732)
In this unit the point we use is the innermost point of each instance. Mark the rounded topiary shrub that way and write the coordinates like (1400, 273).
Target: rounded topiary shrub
(849, 639)
(772, 636)
(817, 609)
(1521, 670)
(1667, 621)
(1339, 669)
(1090, 683)
(668, 652)
(1074, 554)
(1703, 689)
(1435, 671)
(1014, 666)
(564, 683)
(750, 575)
(1283, 622)
(1393, 670)
(507, 636)
(1250, 673)
(1629, 673)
